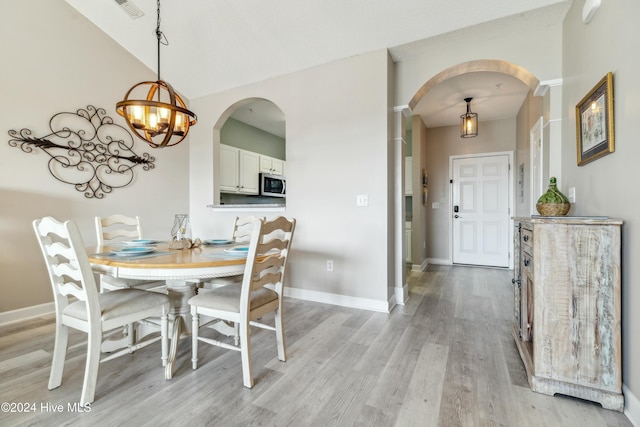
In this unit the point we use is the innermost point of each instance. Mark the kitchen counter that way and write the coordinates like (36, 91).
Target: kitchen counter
(265, 207)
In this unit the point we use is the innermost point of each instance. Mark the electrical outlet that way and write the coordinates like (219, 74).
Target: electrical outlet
(329, 265)
(435, 205)
(362, 200)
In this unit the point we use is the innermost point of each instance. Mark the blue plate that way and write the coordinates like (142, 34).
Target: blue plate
(133, 251)
(141, 242)
(240, 250)
(218, 242)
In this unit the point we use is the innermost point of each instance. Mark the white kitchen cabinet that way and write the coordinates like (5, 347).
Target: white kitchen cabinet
(271, 165)
(408, 176)
(238, 170)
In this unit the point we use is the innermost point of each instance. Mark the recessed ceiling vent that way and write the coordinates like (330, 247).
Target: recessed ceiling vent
(132, 10)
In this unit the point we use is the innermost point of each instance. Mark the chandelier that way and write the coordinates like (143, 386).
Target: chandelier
(468, 122)
(160, 117)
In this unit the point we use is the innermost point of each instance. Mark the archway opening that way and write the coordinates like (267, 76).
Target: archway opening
(250, 144)
(435, 212)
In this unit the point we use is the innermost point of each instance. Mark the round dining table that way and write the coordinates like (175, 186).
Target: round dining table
(181, 269)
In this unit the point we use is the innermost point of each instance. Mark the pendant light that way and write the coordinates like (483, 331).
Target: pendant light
(160, 117)
(468, 122)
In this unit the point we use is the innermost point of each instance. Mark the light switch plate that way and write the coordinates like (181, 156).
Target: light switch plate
(571, 194)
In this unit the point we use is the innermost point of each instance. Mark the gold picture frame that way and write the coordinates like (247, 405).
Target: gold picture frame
(594, 122)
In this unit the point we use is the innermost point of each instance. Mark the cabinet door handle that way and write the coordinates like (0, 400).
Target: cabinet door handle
(526, 262)
(525, 238)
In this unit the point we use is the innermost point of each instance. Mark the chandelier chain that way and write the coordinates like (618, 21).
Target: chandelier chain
(162, 39)
(162, 114)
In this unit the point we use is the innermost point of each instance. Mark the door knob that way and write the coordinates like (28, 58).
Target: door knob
(457, 216)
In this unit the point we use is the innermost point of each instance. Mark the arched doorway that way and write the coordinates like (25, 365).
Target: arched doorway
(249, 140)
(457, 72)
(483, 65)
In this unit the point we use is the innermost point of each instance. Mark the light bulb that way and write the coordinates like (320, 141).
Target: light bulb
(153, 121)
(163, 115)
(136, 116)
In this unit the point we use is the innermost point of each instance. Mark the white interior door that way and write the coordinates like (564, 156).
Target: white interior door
(480, 212)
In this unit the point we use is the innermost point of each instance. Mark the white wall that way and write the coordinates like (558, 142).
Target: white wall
(609, 185)
(529, 44)
(54, 60)
(336, 143)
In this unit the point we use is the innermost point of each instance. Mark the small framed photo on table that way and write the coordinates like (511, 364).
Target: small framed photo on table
(594, 122)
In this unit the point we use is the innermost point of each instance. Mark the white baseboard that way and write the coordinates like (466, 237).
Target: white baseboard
(341, 300)
(26, 313)
(422, 267)
(439, 261)
(391, 303)
(401, 296)
(631, 406)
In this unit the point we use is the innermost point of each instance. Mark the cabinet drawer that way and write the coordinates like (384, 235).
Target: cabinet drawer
(527, 236)
(527, 263)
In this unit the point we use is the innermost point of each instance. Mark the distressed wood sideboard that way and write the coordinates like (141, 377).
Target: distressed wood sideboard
(567, 277)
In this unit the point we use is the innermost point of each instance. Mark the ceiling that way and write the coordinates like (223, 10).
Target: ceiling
(217, 45)
(494, 96)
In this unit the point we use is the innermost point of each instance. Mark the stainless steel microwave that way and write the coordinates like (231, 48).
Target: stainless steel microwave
(272, 185)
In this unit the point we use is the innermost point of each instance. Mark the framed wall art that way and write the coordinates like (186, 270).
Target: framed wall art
(594, 122)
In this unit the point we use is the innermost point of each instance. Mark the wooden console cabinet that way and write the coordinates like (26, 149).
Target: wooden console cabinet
(567, 306)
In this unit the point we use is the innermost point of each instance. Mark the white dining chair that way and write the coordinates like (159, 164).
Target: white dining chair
(261, 292)
(242, 228)
(115, 229)
(240, 233)
(79, 305)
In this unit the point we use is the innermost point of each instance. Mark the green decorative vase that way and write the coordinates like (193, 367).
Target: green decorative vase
(553, 202)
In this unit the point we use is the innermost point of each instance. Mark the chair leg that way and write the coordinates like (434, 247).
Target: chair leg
(164, 333)
(195, 324)
(236, 334)
(59, 354)
(91, 369)
(131, 334)
(245, 351)
(282, 351)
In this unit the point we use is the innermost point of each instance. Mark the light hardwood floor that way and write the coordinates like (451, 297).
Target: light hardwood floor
(447, 358)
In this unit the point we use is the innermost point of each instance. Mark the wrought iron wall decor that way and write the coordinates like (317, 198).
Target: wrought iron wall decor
(88, 150)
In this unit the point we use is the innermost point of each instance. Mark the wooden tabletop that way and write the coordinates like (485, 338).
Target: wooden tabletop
(201, 257)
